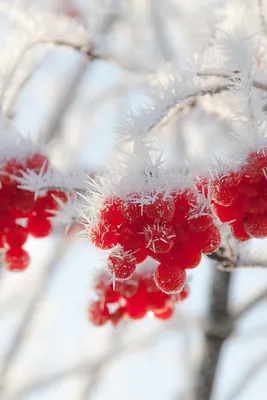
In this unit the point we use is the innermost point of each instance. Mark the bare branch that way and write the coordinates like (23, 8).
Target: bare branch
(219, 328)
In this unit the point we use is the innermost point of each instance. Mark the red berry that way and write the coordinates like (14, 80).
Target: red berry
(16, 237)
(224, 188)
(239, 232)
(128, 288)
(129, 239)
(7, 222)
(104, 236)
(184, 293)
(98, 313)
(157, 300)
(161, 208)
(164, 314)
(111, 212)
(140, 254)
(207, 241)
(23, 200)
(200, 223)
(159, 238)
(36, 162)
(136, 306)
(16, 259)
(233, 212)
(122, 264)
(252, 171)
(257, 205)
(39, 227)
(117, 316)
(256, 225)
(169, 278)
(183, 202)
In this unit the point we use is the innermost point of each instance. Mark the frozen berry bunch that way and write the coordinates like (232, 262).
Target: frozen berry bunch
(240, 197)
(173, 227)
(133, 298)
(21, 214)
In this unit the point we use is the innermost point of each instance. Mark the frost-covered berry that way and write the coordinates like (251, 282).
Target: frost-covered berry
(16, 259)
(98, 313)
(238, 231)
(164, 314)
(224, 189)
(121, 263)
(256, 225)
(117, 316)
(161, 208)
(16, 237)
(104, 236)
(159, 238)
(136, 306)
(169, 278)
(39, 227)
(111, 213)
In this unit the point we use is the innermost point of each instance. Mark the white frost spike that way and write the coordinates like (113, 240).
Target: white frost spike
(51, 179)
(67, 212)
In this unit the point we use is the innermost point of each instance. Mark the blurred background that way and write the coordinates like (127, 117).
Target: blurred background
(54, 93)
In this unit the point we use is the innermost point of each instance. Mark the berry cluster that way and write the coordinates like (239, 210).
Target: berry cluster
(174, 228)
(133, 298)
(240, 197)
(20, 213)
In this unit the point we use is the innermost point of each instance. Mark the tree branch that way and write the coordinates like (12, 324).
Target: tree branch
(219, 328)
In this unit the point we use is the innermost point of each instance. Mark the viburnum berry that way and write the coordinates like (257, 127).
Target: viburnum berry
(235, 211)
(238, 231)
(164, 314)
(200, 223)
(182, 204)
(16, 259)
(36, 162)
(121, 263)
(257, 205)
(140, 254)
(132, 208)
(16, 237)
(104, 236)
(136, 306)
(117, 316)
(256, 225)
(129, 239)
(98, 313)
(39, 227)
(159, 238)
(169, 278)
(161, 208)
(207, 241)
(223, 188)
(111, 212)
(127, 288)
